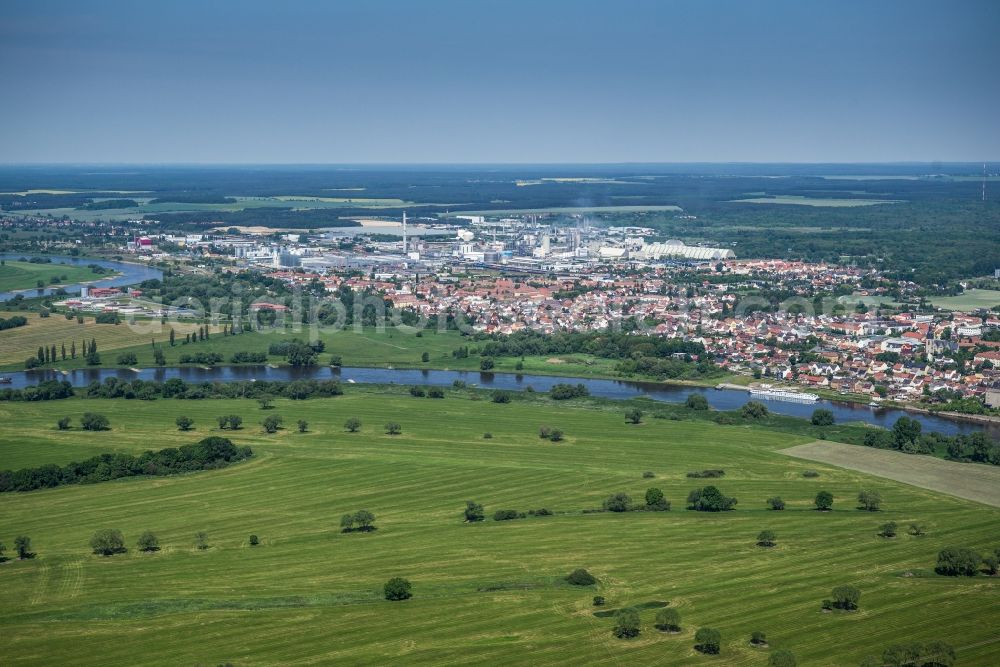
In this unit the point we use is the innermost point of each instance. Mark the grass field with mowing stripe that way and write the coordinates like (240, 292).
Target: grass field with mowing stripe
(16, 275)
(488, 593)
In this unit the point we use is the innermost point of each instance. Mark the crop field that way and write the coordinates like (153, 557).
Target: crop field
(487, 593)
(971, 299)
(814, 201)
(568, 210)
(980, 483)
(18, 344)
(16, 275)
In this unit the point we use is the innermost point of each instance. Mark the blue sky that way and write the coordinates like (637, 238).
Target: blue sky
(505, 81)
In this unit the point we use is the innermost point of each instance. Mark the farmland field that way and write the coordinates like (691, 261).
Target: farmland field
(980, 483)
(488, 593)
(16, 275)
(971, 299)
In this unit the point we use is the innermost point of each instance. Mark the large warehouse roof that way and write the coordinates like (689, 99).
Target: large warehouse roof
(679, 249)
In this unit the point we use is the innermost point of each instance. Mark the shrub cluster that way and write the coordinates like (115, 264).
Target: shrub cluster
(563, 391)
(243, 357)
(206, 358)
(708, 474)
(207, 454)
(709, 499)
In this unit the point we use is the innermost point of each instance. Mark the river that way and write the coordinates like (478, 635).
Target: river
(131, 274)
(720, 399)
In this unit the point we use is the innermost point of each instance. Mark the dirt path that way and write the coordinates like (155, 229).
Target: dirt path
(972, 481)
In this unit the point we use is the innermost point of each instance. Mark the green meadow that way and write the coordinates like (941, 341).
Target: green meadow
(15, 275)
(970, 299)
(485, 593)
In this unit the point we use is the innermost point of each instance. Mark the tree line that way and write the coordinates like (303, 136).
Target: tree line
(207, 454)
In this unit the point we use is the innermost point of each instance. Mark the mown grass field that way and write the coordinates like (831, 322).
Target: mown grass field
(969, 300)
(485, 593)
(15, 275)
(18, 344)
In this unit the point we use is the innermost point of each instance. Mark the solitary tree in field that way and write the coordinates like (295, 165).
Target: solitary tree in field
(148, 542)
(846, 597)
(63, 423)
(824, 501)
(235, 421)
(184, 423)
(707, 640)
(361, 521)
(303, 425)
(626, 624)
(22, 547)
(396, 589)
(775, 503)
(91, 421)
(474, 511)
(709, 499)
(655, 500)
(822, 417)
(766, 538)
(266, 402)
(393, 428)
(352, 425)
(223, 421)
(254, 540)
(888, 529)
(201, 540)
(758, 638)
(668, 619)
(633, 416)
(781, 658)
(958, 562)
(870, 500)
(107, 541)
(271, 423)
(696, 402)
(754, 410)
(618, 502)
(580, 577)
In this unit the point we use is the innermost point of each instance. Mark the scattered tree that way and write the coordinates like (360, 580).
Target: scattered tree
(352, 425)
(634, 416)
(758, 638)
(958, 562)
(775, 503)
(709, 499)
(824, 501)
(393, 428)
(474, 511)
(201, 540)
(271, 423)
(580, 577)
(598, 601)
(223, 421)
(888, 529)
(107, 542)
(846, 597)
(63, 423)
(396, 589)
(626, 624)
(754, 410)
(22, 547)
(303, 425)
(235, 421)
(696, 402)
(92, 421)
(668, 620)
(766, 538)
(254, 540)
(184, 423)
(822, 417)
(501, 396)
(618, 502)
(870, 500)
(707, 640)
(361, 521)
(655, 500)
(265, 402)
(781, 658)
(916, 530)
(148, 542)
